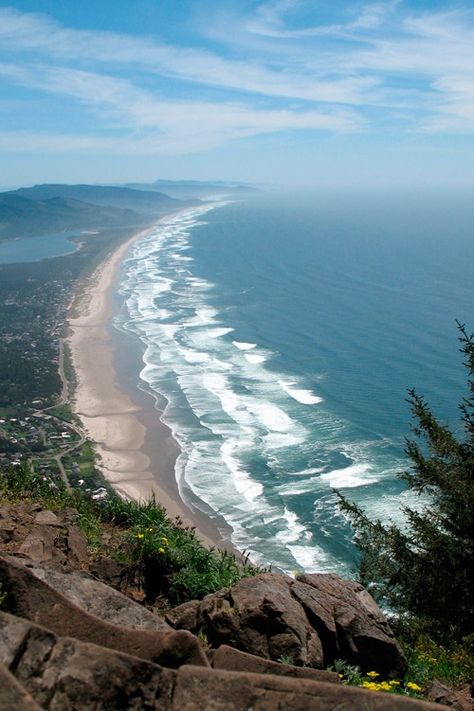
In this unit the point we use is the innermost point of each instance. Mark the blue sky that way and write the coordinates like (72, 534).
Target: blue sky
(297, 92)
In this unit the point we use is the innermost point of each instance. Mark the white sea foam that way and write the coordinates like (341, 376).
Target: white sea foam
(218, 332)
(242, 346)
(255, 358)
(306, 397)
(243, 482)
(271, 416)
(293, 528)
(312, 559)
(351, 476)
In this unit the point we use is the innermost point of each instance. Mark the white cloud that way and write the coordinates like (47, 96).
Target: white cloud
(382, 66)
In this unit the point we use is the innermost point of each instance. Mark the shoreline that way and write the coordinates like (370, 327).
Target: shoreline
(136, 450)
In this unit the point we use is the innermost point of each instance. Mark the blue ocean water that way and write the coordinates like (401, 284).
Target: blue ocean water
(281, 335)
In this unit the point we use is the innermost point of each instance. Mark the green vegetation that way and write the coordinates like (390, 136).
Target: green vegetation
(352, 676)
(162, 557)
(425, 570)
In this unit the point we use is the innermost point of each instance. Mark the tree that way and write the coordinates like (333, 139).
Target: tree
(426, 567)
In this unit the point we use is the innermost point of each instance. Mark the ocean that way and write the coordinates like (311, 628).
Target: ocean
(280, 336)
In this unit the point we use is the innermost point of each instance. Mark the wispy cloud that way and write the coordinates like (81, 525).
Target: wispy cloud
(276, 72)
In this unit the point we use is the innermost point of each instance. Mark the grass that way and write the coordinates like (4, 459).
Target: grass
(63, 412)
(164, 557)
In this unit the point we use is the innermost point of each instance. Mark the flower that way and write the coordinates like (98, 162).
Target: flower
(373, 674)
(394, 682)
(140, 535)
(164, 540)
(161, 550)
(413, 687)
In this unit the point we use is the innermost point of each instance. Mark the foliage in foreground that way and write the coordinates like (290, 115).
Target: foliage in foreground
(164, 557)
(427, 660)
(425, 570)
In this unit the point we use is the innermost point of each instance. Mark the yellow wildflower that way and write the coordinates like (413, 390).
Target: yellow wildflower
(164, 540)
(413, 687)
(394, 682)
(161, 550)
(140, 535)
(373, 674)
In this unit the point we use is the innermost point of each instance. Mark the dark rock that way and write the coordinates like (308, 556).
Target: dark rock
(362, 634)
(257, 615)
(35, 600)
(62, 673)
(459, 699)
(13, 697)
(199, 689)
(108, 571)
(313, 620)
(234, 660)
(97, 598)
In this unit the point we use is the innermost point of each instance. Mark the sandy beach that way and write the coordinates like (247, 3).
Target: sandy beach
(117, 421)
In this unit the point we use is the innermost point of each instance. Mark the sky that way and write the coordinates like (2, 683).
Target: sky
(310, 93)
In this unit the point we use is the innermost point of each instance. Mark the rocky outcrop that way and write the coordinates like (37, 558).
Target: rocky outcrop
(57, 673)
(96, 598)
(47, 538)
(33, 599)
(313, 621)
(234, 660)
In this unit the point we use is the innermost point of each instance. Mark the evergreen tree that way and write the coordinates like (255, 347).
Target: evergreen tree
(426, 567)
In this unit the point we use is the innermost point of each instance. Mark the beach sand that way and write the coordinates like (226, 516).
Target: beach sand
(136, 451)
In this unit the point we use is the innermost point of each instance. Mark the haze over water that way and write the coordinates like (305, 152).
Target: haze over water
(283, 333)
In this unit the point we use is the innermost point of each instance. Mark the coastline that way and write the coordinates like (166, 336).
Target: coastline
(136, 451)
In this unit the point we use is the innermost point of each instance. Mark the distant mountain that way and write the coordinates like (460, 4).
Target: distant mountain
(200, 189)
(148, 202)
(23, 217)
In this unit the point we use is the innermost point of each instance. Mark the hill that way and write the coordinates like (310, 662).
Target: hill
(23, 217)
(140, 201)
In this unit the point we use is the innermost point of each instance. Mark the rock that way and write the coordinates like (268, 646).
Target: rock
(362, 634)
(47, 518)
(233, 660)
(39, 544)
(64, 674)
(13, 695)
(313, 620)
(7, 530)
(35, 600)
(97, 598)
(199, 689)
(459, 699)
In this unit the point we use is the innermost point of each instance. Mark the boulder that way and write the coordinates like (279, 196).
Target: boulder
(199, 689)
(35, 600)
(13, 695)
(257, 615)
(459, 699)
(359, 632)
(64, 674)
(311, 621)
(234, 660)
(97, 598)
